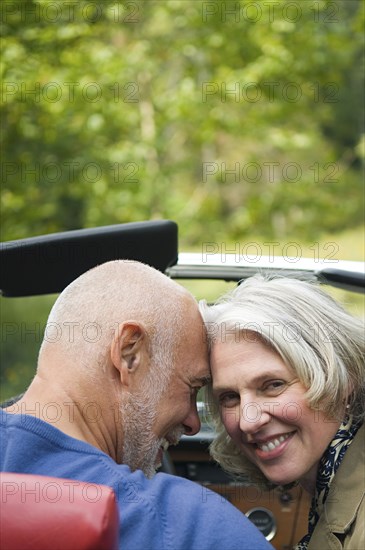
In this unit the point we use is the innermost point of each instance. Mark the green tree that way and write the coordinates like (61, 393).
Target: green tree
(220, 115)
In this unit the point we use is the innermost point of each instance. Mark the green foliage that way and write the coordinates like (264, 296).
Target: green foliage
(240, 120)
(22, 327)
(221, 115)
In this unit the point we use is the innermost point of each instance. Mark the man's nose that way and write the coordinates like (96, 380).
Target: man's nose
(192, 421)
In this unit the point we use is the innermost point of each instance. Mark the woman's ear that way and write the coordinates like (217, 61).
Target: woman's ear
(129, 350)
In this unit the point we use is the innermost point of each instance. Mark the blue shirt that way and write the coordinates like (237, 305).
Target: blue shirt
(163, 513)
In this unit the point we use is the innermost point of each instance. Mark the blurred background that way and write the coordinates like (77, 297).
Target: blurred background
(242, 121)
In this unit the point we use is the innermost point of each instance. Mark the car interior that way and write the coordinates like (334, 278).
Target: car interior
(46, 265)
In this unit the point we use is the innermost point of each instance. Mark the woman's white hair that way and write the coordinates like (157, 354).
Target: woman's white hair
(316, 338)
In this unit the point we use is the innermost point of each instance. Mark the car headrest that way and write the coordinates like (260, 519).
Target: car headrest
(48, 263)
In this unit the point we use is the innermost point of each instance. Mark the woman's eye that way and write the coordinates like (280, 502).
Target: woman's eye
(229, 399)
(274, 386)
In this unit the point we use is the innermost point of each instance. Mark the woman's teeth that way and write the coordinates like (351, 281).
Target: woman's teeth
(271, 445)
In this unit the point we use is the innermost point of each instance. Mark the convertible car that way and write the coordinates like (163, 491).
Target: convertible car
(47, 264)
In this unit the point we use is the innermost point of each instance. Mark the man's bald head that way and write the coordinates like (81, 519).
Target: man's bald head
(87, 313)
(128, 342)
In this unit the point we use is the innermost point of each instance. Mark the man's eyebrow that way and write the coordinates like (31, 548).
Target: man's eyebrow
(202, 380)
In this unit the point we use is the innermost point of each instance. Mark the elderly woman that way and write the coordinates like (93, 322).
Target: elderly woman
(287, 399)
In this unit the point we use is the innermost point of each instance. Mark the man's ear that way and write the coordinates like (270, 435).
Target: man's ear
(129, 349)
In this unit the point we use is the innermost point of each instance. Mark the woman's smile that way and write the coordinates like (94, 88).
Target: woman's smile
(273, 447)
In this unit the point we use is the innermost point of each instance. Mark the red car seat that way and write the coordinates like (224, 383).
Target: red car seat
(39, 513)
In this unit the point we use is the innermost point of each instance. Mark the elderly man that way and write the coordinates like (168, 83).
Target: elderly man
(123, 357)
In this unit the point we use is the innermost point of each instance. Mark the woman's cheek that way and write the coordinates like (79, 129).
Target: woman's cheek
(231, 419)
(292, 411)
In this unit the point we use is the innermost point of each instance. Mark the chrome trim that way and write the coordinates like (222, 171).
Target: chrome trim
(348, 275)
(272, 519)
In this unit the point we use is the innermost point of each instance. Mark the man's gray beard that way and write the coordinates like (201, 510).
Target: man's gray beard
(140, 445)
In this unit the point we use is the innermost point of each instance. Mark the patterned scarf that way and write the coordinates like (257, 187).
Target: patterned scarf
(328, 466)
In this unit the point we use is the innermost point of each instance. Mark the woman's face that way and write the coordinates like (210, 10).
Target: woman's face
(263, 408)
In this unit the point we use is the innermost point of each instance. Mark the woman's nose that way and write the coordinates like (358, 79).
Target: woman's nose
(253, 416)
